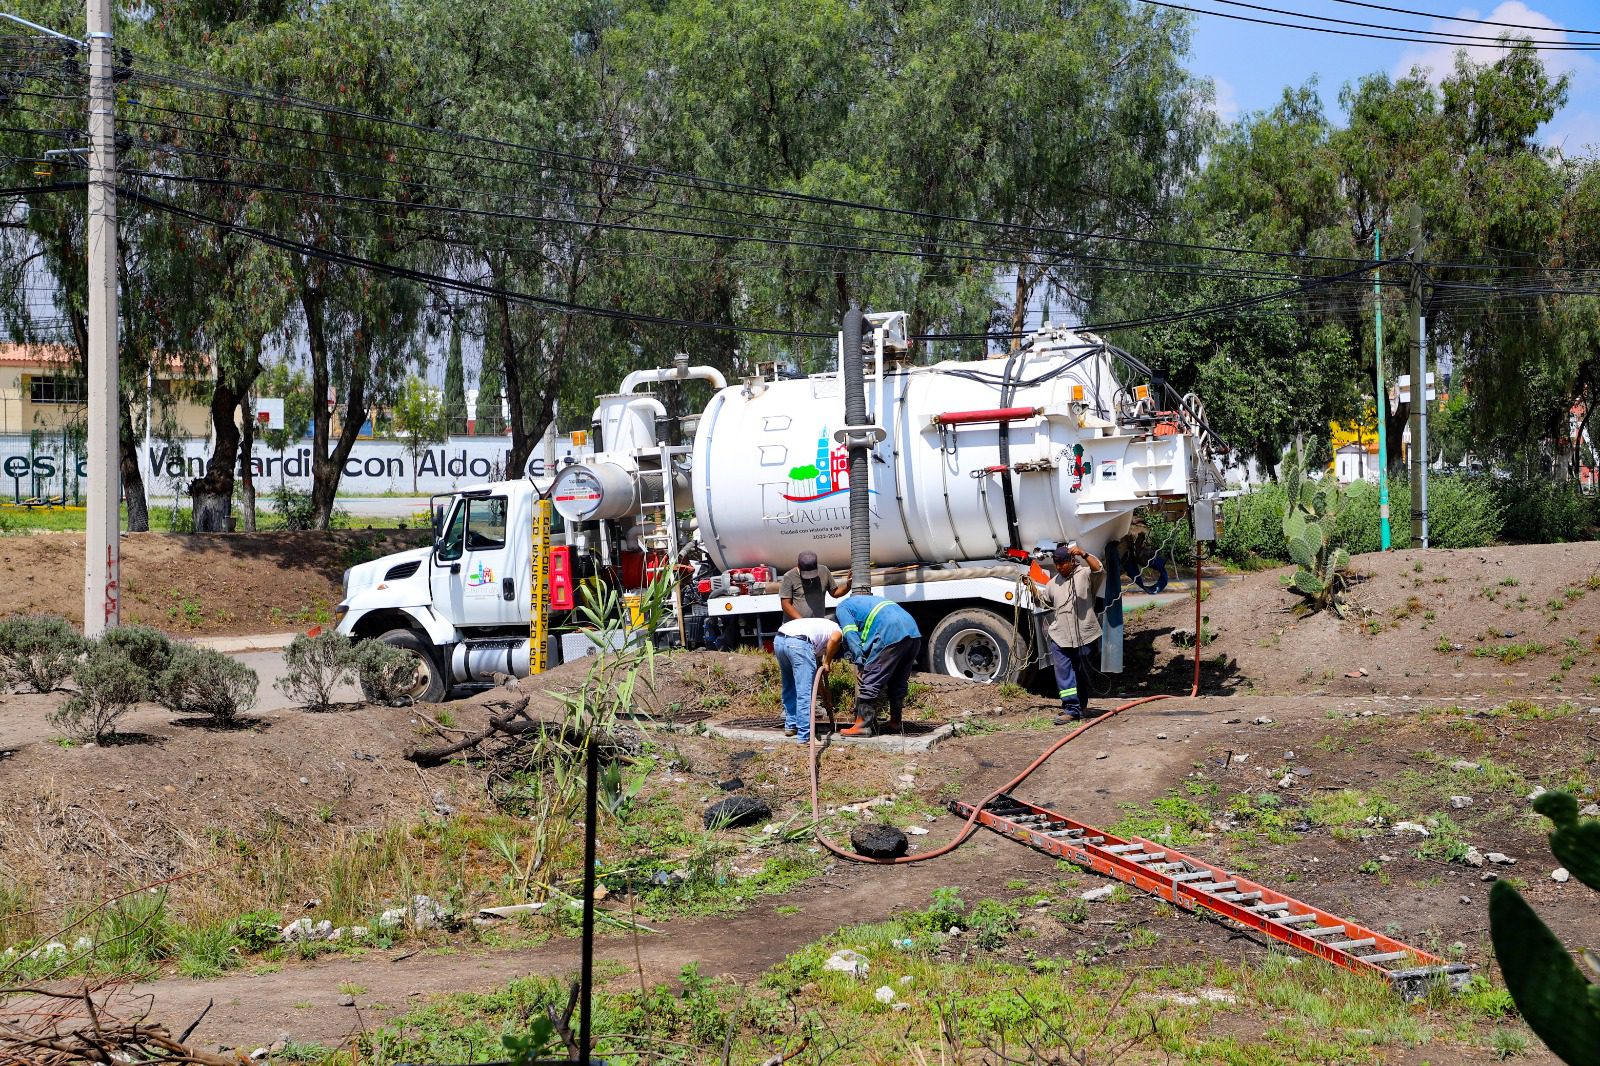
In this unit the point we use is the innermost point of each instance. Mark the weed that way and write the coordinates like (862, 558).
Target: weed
(1508, 1043)
(1144, 939)
(1010, 690)
(1510, 582)
(991, 921)
(1172, 819)
(1446, 842)
(1510, 653)
(207, 950)
(346, 988)
(1444, 646)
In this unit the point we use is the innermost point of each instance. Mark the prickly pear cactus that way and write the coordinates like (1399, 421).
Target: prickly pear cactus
(1554, 997)
(1310, 515)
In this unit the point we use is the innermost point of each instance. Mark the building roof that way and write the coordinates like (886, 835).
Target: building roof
(61, 357)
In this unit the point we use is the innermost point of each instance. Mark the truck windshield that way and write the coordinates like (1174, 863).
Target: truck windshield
(450, 541)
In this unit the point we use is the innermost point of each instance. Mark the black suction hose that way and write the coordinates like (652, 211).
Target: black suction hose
(855, 414)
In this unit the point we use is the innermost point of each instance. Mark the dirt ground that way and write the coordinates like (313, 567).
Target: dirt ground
(1485, 658)
(190, 584)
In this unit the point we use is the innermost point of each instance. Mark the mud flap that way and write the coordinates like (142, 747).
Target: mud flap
(1111, 623)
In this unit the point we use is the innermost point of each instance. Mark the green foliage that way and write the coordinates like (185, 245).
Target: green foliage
(109, 684)
(419, 415)
(1252, 526)
(38, 651)
(387, 674)
(149, 649)
(314, 667)
(1554, 997)
(200, 681)
(1310, 521)
(257, 931)
(1543, 511)
(455, 386)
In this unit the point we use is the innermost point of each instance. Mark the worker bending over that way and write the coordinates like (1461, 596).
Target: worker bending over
(1074, 627)
(802, 646)
(883, 640)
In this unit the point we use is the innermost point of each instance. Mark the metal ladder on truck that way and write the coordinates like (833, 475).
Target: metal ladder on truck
(1198, 886)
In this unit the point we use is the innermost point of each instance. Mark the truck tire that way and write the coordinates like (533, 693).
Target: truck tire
(976, 644)
(430, 686)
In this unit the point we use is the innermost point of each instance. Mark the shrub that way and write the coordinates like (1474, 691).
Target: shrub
(1172, 539)
(1252, 526)
(1464, 511)
(199, 681)
(257, 930)
(386, 673)
(38, 651)
(314, 667)
(109, 684)
(1538, 511)
(149, 649)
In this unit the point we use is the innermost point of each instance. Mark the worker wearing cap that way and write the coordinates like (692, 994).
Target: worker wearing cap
(804, 590)
(883, 640)
(802, 646)
(1074, 626)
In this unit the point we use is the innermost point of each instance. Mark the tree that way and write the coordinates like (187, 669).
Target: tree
(489, 418)
(294, 388)
(420, 418)
(455, 386)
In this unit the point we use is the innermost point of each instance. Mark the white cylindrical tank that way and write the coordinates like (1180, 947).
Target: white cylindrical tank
(770, 481)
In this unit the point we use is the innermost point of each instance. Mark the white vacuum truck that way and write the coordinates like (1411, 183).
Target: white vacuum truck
(974, 466)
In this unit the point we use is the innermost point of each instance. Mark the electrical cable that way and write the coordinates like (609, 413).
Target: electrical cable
(1510, 44)
(971, 825)
(1465, 41)
(1453, 18)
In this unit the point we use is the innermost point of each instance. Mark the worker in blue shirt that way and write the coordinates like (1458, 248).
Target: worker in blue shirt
(883, 640)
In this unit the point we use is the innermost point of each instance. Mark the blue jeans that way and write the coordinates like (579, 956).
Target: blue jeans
(1070, 671)
(797, 666)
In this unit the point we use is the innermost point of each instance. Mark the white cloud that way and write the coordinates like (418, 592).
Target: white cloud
(1226, 100)
(1571, 131)
(1440, 59)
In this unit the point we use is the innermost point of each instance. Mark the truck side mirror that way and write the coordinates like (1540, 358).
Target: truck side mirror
(438, 522)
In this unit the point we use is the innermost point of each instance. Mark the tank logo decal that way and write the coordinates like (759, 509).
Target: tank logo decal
(828, 476)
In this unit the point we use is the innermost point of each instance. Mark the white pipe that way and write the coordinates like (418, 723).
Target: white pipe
(674, 373)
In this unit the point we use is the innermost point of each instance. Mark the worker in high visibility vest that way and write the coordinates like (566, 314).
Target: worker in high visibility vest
(883, 640)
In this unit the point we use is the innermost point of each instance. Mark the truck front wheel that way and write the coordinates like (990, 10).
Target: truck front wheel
(428, 683)
(976, 644)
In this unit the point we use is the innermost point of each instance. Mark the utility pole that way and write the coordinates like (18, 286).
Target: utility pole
(1419, 389)
(103, 565)
(1381, 398)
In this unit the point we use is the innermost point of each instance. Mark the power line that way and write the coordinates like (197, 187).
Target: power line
(1500, 40)
(1357, 33)
(1454, 18)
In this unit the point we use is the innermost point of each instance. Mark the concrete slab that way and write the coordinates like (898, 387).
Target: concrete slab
(894, 743)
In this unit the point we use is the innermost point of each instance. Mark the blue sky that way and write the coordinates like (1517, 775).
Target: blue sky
(1252, 64)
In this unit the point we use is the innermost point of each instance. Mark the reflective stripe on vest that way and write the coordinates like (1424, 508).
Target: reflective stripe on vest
(866, 627)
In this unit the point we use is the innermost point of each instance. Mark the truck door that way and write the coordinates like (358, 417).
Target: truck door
(472, 581)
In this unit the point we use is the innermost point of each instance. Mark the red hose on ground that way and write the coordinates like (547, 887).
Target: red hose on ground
(971, 825)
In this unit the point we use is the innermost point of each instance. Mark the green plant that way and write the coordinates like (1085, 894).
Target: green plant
(109, 684)
(1310, 516)
(991, 921)
(38, 651)
(314, 667)
(1556, 1000)
(387, 674)
(200, 681)
(149, 649)
(946, 908)
(257, 930)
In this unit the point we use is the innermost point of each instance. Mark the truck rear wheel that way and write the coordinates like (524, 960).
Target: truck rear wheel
(976, 644)
(428, 684)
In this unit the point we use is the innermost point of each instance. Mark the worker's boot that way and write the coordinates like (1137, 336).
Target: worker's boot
(866, 724)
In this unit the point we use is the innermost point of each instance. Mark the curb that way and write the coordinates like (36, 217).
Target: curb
(239, 645)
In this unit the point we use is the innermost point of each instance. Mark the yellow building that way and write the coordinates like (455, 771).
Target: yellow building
(42, 391)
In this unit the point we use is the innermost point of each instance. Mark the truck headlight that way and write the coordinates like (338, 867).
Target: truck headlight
(339, 612)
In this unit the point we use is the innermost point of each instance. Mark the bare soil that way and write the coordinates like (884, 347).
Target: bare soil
(1277, 694)
(198, 583)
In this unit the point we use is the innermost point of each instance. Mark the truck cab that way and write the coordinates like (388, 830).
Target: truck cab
(462, 604)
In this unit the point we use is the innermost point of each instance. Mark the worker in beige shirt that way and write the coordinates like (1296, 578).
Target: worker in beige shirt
(1074, 626)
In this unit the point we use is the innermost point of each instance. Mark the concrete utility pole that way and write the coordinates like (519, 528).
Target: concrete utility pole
(1419, 390)
(103, 565)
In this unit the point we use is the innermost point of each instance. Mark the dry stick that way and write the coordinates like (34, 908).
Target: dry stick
(784, 1056)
